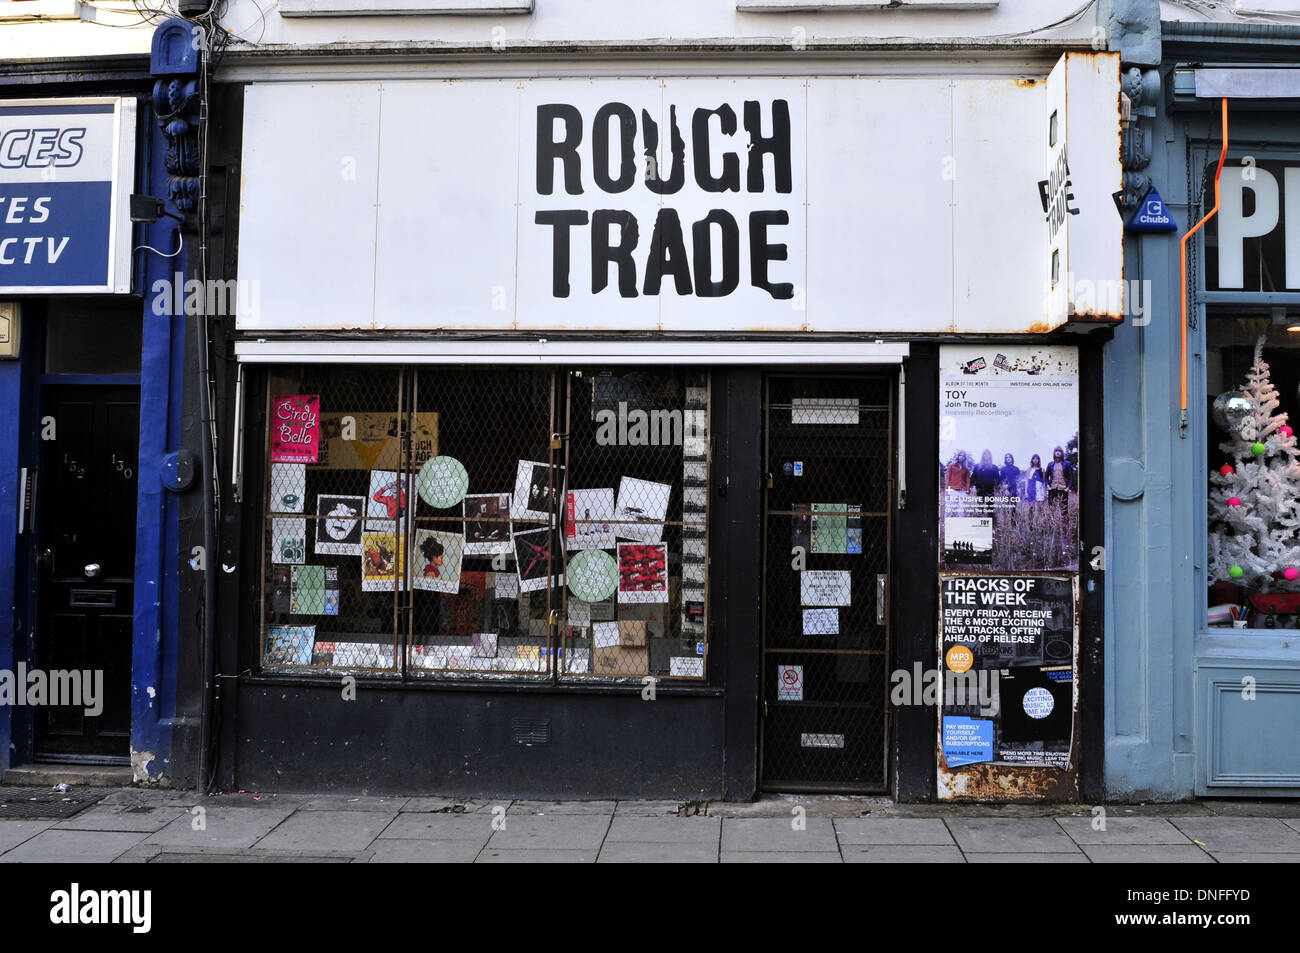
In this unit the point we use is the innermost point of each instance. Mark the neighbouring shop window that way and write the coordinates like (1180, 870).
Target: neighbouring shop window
(1252, 406)
(487, 523)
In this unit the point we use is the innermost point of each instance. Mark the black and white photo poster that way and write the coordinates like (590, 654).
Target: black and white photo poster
(1009, 457)
(338, 525)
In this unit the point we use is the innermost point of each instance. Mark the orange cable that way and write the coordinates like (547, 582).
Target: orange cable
(1223, 154)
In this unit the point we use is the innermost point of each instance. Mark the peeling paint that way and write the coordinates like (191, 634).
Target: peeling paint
(140, 761)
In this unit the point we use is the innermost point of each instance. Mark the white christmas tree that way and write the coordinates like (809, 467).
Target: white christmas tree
(1260, 532)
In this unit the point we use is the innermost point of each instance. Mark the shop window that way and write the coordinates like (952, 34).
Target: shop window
(99, 338)
(487, 523)
(1252, 404)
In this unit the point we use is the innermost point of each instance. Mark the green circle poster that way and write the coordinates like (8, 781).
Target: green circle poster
(443, 482)
(592, 575)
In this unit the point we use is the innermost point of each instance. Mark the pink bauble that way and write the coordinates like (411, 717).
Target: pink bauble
(1284, 430)
(1225, 470)
(1234, 501)
(1291, 573)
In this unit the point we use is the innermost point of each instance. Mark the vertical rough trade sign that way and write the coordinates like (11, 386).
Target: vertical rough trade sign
(1009, 555)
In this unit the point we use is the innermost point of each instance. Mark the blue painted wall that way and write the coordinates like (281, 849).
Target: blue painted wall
(154, 660)
(1172, 731)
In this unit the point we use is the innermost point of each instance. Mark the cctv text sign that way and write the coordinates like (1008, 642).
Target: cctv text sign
(66, 170)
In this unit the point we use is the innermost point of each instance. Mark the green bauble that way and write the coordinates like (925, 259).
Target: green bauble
(1236, 572)
(1258, 449)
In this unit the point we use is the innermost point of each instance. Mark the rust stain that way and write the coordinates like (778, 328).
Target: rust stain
(1026, 81)
(1040, 327)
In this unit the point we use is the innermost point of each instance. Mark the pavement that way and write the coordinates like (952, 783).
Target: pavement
(132, 825)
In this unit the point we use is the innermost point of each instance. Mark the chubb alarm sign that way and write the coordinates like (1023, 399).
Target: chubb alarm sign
(66, 167)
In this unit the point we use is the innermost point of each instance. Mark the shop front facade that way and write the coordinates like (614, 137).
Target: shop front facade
(1203, 667)
(636, 427)
(91, 391)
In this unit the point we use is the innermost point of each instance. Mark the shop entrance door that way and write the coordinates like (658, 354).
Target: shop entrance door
(829, 450)
(86, 555)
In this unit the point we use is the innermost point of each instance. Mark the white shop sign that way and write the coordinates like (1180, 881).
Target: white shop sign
(681, 204)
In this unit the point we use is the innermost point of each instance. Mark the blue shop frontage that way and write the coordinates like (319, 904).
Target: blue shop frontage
(95, 182)
(1202, 553)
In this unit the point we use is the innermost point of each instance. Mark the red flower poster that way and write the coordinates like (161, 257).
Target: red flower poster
(295, 428)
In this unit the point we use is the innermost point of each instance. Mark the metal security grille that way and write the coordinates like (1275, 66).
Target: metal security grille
(827, 515)
(488, 523)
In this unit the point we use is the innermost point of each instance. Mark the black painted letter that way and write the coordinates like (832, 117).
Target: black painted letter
(654, 178)
(626, 147)
(702, 238)
(776, 145)
(566, 150)
(667, 255)
(560, 220)
(729, 181)
(760, 252)
(603, 253)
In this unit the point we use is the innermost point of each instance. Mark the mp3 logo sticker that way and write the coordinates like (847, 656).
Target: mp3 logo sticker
(102, 908)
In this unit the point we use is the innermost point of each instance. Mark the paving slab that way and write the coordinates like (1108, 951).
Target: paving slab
(1293, 824)
(902, 854)
(207, 857)
(665, 830)
(562, 807)
(1264, 835)
(338, 802)
(391, 851)
(780, 857)
(1029, 835)
(491, 856)
(1240, 857)
(451, 805)
(123, 817)
(1146, 854)
(1018, 858)
(636, 852)
(153, 797)
(440, 827)
(327, 830)
(778, 834)
(1123, 830)
(647, 808)
(891, 830)
(551, 832)
(1276, 808)
(227, 827)
(13, 833)
(72, 847)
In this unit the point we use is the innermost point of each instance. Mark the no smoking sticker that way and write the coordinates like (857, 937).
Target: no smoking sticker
(789, 683)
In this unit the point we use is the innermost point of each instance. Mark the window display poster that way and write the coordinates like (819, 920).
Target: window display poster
(1009, 457)
(288, 487)
(487, 524)
(537, 488)
(295, 428)
(836, 528)
(537, 552)
(289, 644)
(642, 507)
(436, 562)
(381, 557)
(354, 440)
(314, 590)
(288, 540)
(338, 525)
(587, 515)
(386, 503)
(642, 572)
(1007, 654)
